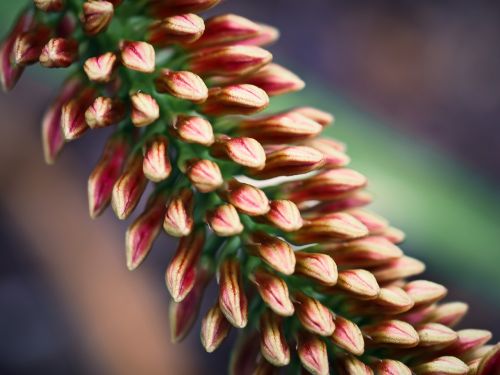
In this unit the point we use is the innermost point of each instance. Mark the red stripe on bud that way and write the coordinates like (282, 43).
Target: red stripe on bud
(183, 85)
(275, 252)
(138, 56)
(156, 164)
(179, 220)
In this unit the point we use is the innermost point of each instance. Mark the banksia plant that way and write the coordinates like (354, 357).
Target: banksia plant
(263, 204)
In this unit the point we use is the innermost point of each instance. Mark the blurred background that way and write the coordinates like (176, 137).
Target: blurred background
(415, 88)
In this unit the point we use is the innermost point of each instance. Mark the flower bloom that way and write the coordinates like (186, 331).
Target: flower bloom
(262, 203)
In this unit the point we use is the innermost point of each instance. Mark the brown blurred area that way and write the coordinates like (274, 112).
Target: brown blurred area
(68, 304)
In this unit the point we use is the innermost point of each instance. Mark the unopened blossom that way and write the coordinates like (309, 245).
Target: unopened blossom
(307, 278)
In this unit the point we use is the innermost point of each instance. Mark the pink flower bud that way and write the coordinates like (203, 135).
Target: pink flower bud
(280, 128)
(375, 223)
(348, 336)
(391, 367)
(313, 354)
(73, 122)
(265, 35)
(59, 53)
(144, 230)
(273, 345)
(284, 215)
(394, 300)
(490, 363)
(432, 334)
(240, 99)
(392, 333)
(275, 252)
(104, 112)
(351, 365)
(276, 80)
(244, 151)
(49, 5)
(334, 158)
(228, 60)
(183, 314)
(232, 299)
(469, 339)
(274, 291)
(446, 365)
(178, 220)
(28, 46)
(100, 68)
(224, 221)
(205, 175)
(128, 188)
(359, 283)
(96, 16)
(183, 85)
(425, 292)
(448, 314)
(180, 275)
(290, 161)
(193, 129)
(398, 269)
(106, 173)
(394, 235)
(156, 164)
(342, 203)
(183, 28)
(138, 56)
(314, 316)
(322, 117)
(247, 199)
(214, 329)
(162, 8)
(145, 109)
(319, 267)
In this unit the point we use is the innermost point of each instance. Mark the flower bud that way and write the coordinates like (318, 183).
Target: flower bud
(100, 68)
(128, 189)
(375, 223)
(352, 365)
(319, 267)
(227, 29)
(162, 8)
(49, 5)
(275, 80)
(273, 291)
(145, 109)
(394, 235)
(348, 336)
(431, 334)
(290, 161)
(336, 226)
(391, 367)
(273, 345)
(180, 275)
(425, 292)
(205, 175)
(183, 314)
(96, 16)
(138, 56)
(243, 151)
(143, 231)
(73, 122)
(280, 128)
(106, 173)
(228, 60)
(214, 329)
(448, 314)
(392, 333)
(490, 363)
(224, 221)
(322, 117)
(313, 354)
(334, 158)
(241, 99)
(363, 252)
(394, 300)
(284, 215)
(28, 46)
(156, 164)
(350, 200)
(232, 299)
(183, 85)
(179, 220)
(265, 35)
(278, 254)
(194, 129)
(247, 199)
(446, 365)
(469, 339)
(182, 28)
(59, 53)
(398, 269)
(104, 112)
(314, 316)
(52, 135)
(327, 185)
(358, 282)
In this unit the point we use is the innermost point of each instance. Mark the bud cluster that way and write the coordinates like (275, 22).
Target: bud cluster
(317, 280)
